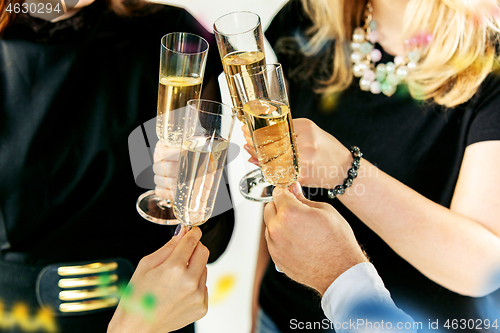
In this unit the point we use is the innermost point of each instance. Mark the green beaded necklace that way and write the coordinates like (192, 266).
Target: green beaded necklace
(380, 78)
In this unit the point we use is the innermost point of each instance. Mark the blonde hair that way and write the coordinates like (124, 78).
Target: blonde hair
(462, 52)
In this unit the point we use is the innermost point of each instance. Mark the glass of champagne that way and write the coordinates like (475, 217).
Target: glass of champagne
(207, 132)
(262, 91)
(241, 46)
(183, 57)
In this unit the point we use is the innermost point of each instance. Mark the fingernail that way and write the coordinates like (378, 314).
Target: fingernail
(296, 189)
(178, 229)
(247, 147)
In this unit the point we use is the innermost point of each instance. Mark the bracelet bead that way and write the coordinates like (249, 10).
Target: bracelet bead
(352, 173)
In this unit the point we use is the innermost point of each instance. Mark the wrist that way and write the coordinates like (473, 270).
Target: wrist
(118, 323)
(349, 262)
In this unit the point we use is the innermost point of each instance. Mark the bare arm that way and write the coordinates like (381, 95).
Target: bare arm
(459, 248)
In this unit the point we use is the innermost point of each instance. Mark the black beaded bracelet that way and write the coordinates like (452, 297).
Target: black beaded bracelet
(351, 174)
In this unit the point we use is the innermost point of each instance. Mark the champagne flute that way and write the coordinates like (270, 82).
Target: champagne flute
(183, 58)
(262, 91)
(241, 46)
(207, 132)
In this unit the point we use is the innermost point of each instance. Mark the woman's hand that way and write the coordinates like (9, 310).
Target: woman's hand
(165, 169)
(168, 289)
(323, 159)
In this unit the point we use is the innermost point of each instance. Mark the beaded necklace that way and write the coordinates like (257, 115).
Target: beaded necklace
(382, 77)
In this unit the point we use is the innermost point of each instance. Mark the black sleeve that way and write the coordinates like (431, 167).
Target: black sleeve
(286, 23)
(217, 233)
(485, 125)
(283, 28)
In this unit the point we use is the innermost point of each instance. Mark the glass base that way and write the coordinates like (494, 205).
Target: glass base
(151, 207)
(254, 187)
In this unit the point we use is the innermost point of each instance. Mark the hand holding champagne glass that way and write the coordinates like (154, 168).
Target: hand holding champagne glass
(263, 93)
(207, 132)
(182, 65)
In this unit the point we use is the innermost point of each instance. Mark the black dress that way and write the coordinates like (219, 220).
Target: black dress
(70, 95)
(421, 145)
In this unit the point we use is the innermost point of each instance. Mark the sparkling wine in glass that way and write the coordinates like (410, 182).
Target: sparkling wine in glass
(183, 58)
(235, 62)
(263, 93)
(207, 132)
(241, 46)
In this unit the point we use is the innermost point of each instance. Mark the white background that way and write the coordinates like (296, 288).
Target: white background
(230, 279)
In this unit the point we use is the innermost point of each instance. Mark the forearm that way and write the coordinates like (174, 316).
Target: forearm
(449, 248)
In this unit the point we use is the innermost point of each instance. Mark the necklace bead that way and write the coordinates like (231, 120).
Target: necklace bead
(366, 47)
(388, 89)
(355, 46)
(376, 55)
(373, 36)
(399, 60)
(364, 84)
(375, 87)
(369, 75)
(393, 79)
(414, 56)
(402, 72)
(390, 67)
(356, 56)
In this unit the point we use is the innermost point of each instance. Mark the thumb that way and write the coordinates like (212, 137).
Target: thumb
(283, 197)
(162, 254)
(296, 190)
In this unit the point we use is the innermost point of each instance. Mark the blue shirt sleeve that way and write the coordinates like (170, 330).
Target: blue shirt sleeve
(357, 301)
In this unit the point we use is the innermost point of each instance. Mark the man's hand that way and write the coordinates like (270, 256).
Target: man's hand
(309, 241)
